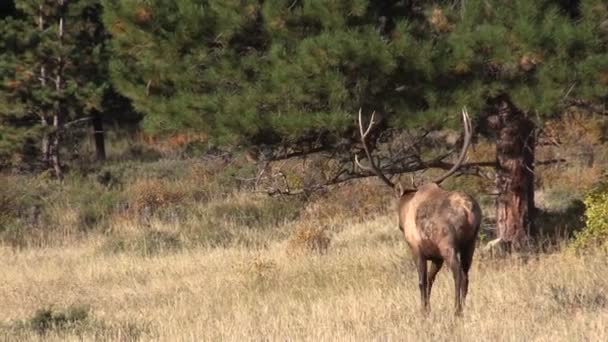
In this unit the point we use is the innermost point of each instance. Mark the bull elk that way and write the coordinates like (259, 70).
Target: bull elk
(438, 225)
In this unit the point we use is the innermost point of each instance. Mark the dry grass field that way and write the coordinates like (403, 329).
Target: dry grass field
(173, 249)
(363, 287)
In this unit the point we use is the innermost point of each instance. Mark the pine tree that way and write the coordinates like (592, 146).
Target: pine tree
(52, 72)
(263, 70)
(278, 70)
(517, 63)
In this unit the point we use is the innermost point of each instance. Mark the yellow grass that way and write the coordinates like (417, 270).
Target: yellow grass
(363, 288)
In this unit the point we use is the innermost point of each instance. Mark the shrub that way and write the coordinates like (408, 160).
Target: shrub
(150, 195)
(243, 219)
(309, 238)
(561, 223)
(17, 196)
(208, 234)
(75, 322)
(563, 297)
(258, 212)
(93, 204)
(595, 233)
(21, 201)
(48, 319)
(147, 244)
(358, 201)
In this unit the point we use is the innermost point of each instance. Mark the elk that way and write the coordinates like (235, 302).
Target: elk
(438, 225)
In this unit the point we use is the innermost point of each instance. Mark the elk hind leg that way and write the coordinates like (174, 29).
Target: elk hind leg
(466, 259)
(453, 263)
(435, 267)
(422, 280)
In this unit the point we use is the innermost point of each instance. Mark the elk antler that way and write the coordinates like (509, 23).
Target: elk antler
(373, 167)
(465, 146)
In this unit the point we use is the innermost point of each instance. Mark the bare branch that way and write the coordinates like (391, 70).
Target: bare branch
(373, 167)
(588, 105)
(71, 123)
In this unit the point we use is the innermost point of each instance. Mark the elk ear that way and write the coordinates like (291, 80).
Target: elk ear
(399, 191)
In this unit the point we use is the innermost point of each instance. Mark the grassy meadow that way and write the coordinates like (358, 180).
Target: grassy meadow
(362, 288)
(151, 246)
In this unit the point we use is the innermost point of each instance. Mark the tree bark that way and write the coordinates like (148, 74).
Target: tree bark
(46, 141)
(45, 145)
(99, 137)
(55, 145)
(515, 172)
(59, 110)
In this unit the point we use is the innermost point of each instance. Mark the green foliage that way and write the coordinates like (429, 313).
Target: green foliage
(49, 76)
(595, 233)
(533, 51)
(288, 68)
(259, 67)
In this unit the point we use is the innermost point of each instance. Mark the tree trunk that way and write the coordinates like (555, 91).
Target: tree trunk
(55, 145)
(46, 141)
(515, 173)
(45, 144)
(98, 135)
(60, 107)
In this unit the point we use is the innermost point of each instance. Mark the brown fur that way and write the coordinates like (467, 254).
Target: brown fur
(440, 226)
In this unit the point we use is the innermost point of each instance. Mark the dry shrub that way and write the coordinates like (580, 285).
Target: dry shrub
(143, 14)
(577, 138)
(153, 194)
(483, 150)
(603, 78)
(529, 61)
(298, 173)
(251, 11)
(179, 144)
(51, 319)
(575, 128)
(201, 174)
(260, 273)
(261, 266)
(74, 322)
(309, 238)
(571, 180)
(573, 299)
(255, 211)
(13, 84)
(358, 200)
(117, 27)
(278, 24)
(440, 21)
